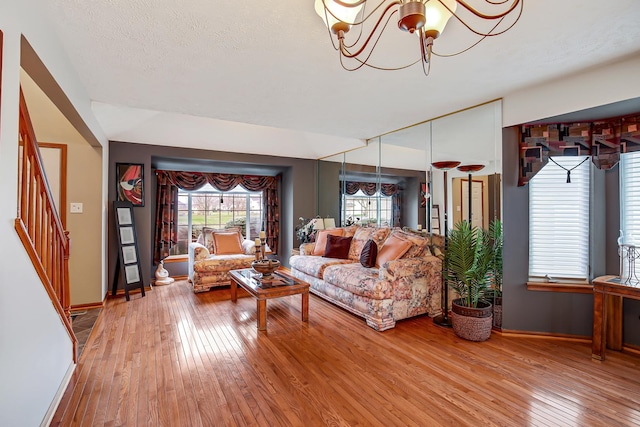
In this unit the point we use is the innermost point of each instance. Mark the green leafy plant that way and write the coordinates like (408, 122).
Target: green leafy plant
(468, 260)
(497, 241)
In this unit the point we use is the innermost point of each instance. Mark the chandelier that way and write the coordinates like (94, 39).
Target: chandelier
(424, 18)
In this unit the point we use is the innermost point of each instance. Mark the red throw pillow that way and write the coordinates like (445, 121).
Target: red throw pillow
(321, 240)
(337, 247)
(369, 254)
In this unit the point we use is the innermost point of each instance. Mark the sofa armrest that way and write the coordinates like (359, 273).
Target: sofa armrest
(418, 281)
(196, 253)
(307, 248)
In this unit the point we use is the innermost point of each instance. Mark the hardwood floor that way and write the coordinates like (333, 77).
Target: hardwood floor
(174, 358)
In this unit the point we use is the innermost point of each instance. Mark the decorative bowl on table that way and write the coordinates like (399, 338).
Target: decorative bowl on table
(266, 267)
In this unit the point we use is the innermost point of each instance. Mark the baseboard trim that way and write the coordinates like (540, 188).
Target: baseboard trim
(88, 306)
(46, 421)
(546, 335)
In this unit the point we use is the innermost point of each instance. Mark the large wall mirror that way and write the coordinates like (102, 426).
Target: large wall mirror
(391, 180)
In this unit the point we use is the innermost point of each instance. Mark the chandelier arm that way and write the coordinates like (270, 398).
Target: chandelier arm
(366, 17)
(491, 32)
(373, 31)
(365, 61)
(479, 14)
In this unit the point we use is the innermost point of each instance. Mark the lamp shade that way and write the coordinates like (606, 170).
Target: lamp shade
(329, 223)
(344, 14)
(318, 224)
(437, 16)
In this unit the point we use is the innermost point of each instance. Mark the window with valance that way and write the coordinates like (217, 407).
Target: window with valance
(168, 183)
(371, 188)
(603, 140)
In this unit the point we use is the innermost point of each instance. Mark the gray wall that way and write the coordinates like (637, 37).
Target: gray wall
(556, 312)
(297, 195)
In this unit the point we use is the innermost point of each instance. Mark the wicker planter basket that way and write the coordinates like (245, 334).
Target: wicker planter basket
(473, 324)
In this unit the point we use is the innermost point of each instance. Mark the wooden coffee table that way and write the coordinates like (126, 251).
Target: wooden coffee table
(282, 285)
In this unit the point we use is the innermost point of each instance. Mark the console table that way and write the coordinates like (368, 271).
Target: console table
(608, 294)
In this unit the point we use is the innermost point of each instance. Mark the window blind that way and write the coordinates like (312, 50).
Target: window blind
(559, 220)
(630, 200)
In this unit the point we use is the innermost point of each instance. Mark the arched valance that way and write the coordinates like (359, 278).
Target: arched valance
(603, 140)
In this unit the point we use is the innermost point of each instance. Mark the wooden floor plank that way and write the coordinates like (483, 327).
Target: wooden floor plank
(179, 358)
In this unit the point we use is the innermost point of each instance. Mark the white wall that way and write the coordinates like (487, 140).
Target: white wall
(35, 349)
(591, 88)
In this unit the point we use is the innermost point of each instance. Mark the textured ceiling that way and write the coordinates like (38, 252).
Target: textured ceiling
(270, 63)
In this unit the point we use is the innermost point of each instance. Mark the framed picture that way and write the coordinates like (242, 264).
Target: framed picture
(124, 216)
(126, 236)
(131, 273)
(129, 254)
(130, 183)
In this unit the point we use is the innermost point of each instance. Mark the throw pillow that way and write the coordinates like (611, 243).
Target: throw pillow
(337, 247)
(393, 248)
(369, 254)
(207, 235)
(227, 242)
(321, 240)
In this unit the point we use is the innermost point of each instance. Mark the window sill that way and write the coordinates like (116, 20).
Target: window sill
(582, 287)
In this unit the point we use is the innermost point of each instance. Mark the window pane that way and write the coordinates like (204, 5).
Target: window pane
(630, 202)
(215, 209)
(559, 220)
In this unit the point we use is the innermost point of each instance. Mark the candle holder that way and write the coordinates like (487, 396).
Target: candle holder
(262, 247)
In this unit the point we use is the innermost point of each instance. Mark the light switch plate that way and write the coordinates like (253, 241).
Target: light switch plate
(76, 207)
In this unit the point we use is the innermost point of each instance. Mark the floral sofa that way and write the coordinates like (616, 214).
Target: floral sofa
(407, 284)
(215, 254)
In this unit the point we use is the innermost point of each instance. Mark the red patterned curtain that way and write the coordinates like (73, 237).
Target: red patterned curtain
(166, 235)
(603, 140)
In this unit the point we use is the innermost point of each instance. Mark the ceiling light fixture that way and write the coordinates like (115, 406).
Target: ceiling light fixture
(425, 18)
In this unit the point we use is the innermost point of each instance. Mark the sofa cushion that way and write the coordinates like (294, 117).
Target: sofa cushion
(314, 265)
(419, 245)
(321, 240)
(359, 280)
(227, 242)
(393, 248)
(337, 247)
(369, 254)
(362, 235)
(221, 263)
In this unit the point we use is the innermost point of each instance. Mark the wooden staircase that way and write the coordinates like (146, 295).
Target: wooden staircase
(39, 226)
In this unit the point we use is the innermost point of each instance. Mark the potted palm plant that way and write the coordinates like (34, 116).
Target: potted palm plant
(469, 259)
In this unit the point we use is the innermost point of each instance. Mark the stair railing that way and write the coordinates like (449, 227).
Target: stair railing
(39, 226)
